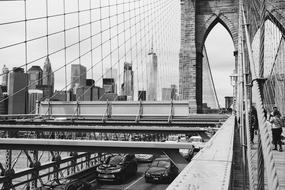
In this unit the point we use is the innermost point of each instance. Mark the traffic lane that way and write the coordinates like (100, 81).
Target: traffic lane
(130, 182)
(142, 185)
(135, 183)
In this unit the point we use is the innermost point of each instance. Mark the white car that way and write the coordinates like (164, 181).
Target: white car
(197, 142)
(144, 157)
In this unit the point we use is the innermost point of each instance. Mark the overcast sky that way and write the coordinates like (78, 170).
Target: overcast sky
(157, 23)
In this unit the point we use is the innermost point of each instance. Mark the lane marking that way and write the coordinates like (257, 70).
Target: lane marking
(134, 182)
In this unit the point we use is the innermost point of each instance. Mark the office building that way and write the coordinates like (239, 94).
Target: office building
(35, 74)
(229, 101)
(35, 96)
(3, 102)
(5, 72)
(78, 76)
(152, 77)
(109, 85)
(127, 87)
(90, 92)
(48, 79)
(62, 95)
(112, 73)
(17, 91)
(142, 95)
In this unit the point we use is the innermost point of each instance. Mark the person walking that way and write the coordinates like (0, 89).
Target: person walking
(276, 127)
(253, 123)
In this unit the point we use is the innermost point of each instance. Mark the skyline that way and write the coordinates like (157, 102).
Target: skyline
(163, 36)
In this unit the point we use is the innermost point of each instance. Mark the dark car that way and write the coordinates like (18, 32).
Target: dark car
(117, 168)
(161, 170)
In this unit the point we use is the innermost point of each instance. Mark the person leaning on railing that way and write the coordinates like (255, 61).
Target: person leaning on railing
(276, 127)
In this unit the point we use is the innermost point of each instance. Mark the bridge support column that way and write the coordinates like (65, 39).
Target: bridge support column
(9, 171)
(187, 56)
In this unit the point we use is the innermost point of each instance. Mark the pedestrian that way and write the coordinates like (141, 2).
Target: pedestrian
(276, 127)
(253, 123)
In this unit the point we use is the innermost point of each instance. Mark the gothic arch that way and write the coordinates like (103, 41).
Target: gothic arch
(210, 24)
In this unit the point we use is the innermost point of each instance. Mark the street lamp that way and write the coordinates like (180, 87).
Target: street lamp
(234, 77)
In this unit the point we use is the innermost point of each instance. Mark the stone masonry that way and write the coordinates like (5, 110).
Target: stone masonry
(197, 20)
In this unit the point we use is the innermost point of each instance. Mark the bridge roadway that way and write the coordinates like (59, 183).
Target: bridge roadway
(135, 183)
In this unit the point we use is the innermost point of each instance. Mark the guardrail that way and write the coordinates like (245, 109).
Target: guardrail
(105, 109)
(211, 167)
(50, 172)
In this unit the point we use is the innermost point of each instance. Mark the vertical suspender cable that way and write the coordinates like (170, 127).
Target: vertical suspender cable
(273, 182)
(91, 39)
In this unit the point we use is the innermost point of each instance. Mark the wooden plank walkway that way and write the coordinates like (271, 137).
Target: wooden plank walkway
(279, 159)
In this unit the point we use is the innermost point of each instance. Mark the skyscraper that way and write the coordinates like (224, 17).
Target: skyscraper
(3, 102)
(35, 74)
(48, 79)
(78, 76)
(112, 73)
(5, 72)
(152, 78)
(17, 91)
(128, 86)
(35, 95)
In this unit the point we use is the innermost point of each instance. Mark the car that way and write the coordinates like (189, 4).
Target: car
(144, 157)
(161, 170)
(197, 142)
(117, 168)
(187, 153)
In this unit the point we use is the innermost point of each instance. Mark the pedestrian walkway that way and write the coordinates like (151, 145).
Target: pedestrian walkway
(279, 159)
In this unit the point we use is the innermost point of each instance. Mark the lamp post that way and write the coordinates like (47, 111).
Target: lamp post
(234, 78)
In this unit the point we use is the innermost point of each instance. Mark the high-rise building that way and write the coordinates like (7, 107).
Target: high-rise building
(112, 73)
(3, 102)
(78, 76)
(142, 95)
(5, 72)
(35, 95)
(152, 78)
(228, 101)
(17, 91)
(35, 74)
(48, 79)
(128, 86)
(109, 85)
(63, 95)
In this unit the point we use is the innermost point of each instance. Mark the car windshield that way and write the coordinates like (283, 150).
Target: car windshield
(115, 160)
(161, 164)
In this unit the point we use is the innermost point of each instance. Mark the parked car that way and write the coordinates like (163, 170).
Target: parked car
(117, 168)
(144, 157)
(161, 170)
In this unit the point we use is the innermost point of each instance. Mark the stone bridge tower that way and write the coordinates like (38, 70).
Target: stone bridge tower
(198, 17)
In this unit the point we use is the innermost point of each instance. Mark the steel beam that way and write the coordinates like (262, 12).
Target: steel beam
(90, 145)
(120, 122)
(108, 129)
